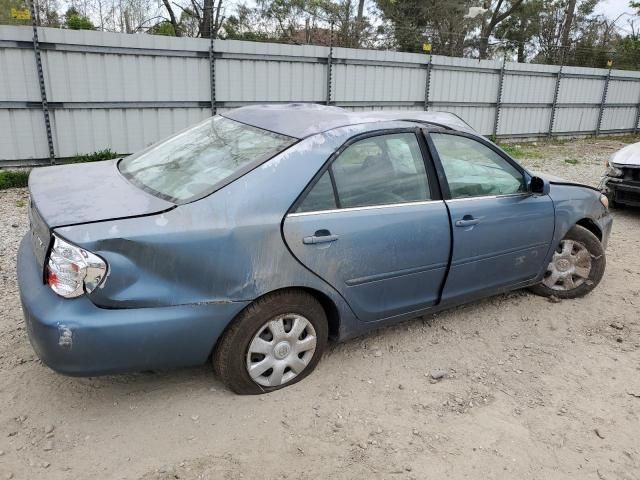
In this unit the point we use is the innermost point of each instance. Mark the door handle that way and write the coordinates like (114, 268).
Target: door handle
(321, 236)
(467, 221)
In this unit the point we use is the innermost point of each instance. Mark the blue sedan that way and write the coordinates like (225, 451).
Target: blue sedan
(255, 236)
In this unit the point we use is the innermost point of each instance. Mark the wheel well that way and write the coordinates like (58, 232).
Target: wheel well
(330, 310)
(591, 226)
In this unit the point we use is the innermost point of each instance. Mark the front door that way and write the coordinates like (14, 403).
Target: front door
(501, 233)
(374, 227)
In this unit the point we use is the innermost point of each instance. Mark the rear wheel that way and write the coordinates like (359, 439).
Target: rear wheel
(275, 342)
(576, 267)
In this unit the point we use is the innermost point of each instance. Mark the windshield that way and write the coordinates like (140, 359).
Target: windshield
(201, 159)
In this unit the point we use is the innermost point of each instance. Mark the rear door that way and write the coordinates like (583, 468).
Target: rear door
(373, 225)
(501, 233)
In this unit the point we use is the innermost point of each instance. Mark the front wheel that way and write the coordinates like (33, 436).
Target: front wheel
(275, 342)
(576, 267)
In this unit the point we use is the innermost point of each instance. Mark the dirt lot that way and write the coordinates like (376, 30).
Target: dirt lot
(533, 389)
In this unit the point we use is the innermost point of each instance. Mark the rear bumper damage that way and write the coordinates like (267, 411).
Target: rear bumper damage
(75, 337)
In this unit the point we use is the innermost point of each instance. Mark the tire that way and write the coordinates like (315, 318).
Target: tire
(263, 326)
(584, 249)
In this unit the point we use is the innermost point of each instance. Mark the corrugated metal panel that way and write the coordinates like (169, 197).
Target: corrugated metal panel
(576, 119)
(480, 118)
(580, 90)
(22, 134)
(623, 91)
(517, 121)
(264, 81)
(18, 76)
(463, 86)
(528, 89)
(85, 69)
(618, 118)
(372, 83)
(121, 130)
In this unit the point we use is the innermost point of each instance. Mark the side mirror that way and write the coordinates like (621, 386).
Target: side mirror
(539, 186)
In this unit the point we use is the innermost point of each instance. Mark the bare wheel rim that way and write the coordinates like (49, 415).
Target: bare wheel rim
(569, 268)
(281, 350)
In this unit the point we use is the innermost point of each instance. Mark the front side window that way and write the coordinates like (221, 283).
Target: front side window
(381, 170)
(194, 162)
(475, 170)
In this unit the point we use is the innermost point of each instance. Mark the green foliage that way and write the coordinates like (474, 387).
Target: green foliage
(20, 203)
(75, 21)
(163, 28)
(571, 161)
(13, 179)
(98, 156)
(5, 12)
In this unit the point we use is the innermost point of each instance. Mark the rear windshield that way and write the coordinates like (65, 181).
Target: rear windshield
(201, 159)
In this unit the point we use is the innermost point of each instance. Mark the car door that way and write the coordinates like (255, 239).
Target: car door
(501, 232)
(373, 225)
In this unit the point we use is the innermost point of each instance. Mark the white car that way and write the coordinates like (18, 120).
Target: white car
(621, 181)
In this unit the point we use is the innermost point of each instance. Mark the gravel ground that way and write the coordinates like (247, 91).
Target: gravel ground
(526, 389)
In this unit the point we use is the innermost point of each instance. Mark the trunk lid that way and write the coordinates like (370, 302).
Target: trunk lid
(88, 192)
(83, 193)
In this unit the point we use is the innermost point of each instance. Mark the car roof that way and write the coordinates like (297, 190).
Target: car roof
(301, 120)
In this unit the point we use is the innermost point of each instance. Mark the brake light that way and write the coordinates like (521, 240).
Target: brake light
(72, 271)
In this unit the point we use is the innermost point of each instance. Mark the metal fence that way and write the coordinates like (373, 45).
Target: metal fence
(123, 92)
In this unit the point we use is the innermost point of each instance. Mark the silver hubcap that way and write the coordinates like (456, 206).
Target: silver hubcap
(281, 350)
(569, 267)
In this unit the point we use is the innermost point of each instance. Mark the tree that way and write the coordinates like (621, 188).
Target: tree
(162, 28)
(520, 28)
(410, 23)
(497, 11)
(553, 25)
(75, 21)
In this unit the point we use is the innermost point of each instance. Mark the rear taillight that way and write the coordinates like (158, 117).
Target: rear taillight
(72, 271)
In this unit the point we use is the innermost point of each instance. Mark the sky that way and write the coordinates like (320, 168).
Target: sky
(613, 8)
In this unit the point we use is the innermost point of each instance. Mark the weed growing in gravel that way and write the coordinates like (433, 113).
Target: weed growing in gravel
(20, 203)
(13, 179)
(571, 161)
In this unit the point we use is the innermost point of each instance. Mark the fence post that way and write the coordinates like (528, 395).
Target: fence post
(499, 99)
(330, 66)
(43, 89)
(212, 65)
(428, 82)
(554, 105)
(635, 125)
(604, 99)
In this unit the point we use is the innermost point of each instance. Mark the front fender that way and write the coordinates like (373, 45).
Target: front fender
(574, 204)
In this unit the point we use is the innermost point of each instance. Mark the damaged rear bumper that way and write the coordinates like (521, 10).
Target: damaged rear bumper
(75, 337)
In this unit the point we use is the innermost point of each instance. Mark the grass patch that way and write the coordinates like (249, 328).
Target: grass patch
(98, 156)
(20, 203)
(13, 179)
(571, 161)
(522, 151)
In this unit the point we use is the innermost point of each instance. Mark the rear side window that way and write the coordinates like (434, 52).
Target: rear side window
(381, 170)
(475, 170)
(321, 197)
(195, 162)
